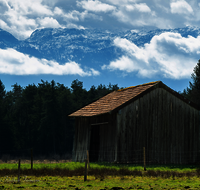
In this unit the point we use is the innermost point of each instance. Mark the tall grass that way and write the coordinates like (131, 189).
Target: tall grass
(75, 165)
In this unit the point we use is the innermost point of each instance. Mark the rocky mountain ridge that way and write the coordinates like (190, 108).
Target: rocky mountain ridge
(88, 47)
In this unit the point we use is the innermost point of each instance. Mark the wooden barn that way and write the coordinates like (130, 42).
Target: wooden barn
(117, 127)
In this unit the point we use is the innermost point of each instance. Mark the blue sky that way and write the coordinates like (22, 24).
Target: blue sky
(168, 57)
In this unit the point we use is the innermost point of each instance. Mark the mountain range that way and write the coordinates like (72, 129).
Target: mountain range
(89, 47)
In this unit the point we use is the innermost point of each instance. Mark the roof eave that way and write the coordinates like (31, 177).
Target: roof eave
(159, 84)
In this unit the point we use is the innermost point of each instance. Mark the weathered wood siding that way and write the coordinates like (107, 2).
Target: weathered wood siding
(162, 123)
(107, 143)
(107, 133)
(81, 139)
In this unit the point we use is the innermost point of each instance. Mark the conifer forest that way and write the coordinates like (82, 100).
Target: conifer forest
(36, 116)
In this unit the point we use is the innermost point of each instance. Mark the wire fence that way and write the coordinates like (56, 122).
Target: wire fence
(109, 155)
(140, 156)
(12, 156)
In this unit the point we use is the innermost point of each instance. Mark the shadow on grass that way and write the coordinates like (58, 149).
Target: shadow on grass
(99, 172)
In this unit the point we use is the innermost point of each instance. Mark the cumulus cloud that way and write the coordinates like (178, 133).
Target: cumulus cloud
(169, 55)
(95, 6)
(58, 11)
(122, 2)
(136, 14)
(49, 22)
(72, 15)
(16, 63)
(181, 7)
(142, 7)
(3, 24)
(22, 17)
(28, 7)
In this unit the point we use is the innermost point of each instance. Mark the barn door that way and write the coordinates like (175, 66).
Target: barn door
(94, 143)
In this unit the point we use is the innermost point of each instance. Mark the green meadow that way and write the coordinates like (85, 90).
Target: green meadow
(109, 182)
(75, 165)
(70, 175)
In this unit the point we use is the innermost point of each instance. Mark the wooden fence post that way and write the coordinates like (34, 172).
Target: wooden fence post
(85, 176)
(31, 159)
(19, 171)
(88, 159)
(144, 158)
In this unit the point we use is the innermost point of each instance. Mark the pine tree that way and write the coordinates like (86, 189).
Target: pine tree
(2, 90)
(194, 86)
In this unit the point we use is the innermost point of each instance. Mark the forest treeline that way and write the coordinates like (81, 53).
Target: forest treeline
(37, 116)
(193, 91)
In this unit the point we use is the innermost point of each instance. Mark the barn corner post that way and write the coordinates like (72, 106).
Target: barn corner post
(86, 172)
(88, 159)
(144, 155)
(31, 159)
(19, 163)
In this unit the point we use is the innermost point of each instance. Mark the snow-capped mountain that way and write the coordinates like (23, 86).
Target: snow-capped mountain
(7, 40)
(88, 47)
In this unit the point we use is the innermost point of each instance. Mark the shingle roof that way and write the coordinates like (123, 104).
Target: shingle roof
(113, 100)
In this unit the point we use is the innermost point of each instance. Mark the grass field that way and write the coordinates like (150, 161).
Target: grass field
(109, 182)
(25, 164)
(70, 175)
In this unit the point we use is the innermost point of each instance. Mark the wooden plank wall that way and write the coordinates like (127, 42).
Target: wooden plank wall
(162, 123)
(83, 125)
(107, 136)
(81, 139)
(107, 142)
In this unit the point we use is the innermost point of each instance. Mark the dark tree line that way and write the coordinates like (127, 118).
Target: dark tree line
(36, 116)
(193, 91)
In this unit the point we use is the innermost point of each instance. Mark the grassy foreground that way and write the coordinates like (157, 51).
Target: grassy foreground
(75, 165)
(123, 182)
(101, 176)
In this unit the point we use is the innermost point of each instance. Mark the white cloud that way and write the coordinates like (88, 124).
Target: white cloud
(71, 25)
(28, 7)
(181, 7)
(142, 7)
(132, 18)
(168, 54)
(130, 7)
(3, 24)
(95, 6)
(76, 16)
(21, 17)
(58, 11)
(16, 63)
(129, 65)
(121, 16)
(135, 14)
(49, 22)
(122, 2)
(72, 15)
(123, 64)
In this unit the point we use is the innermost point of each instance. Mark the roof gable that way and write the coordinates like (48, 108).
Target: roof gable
(113, 100)
(119, 98)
